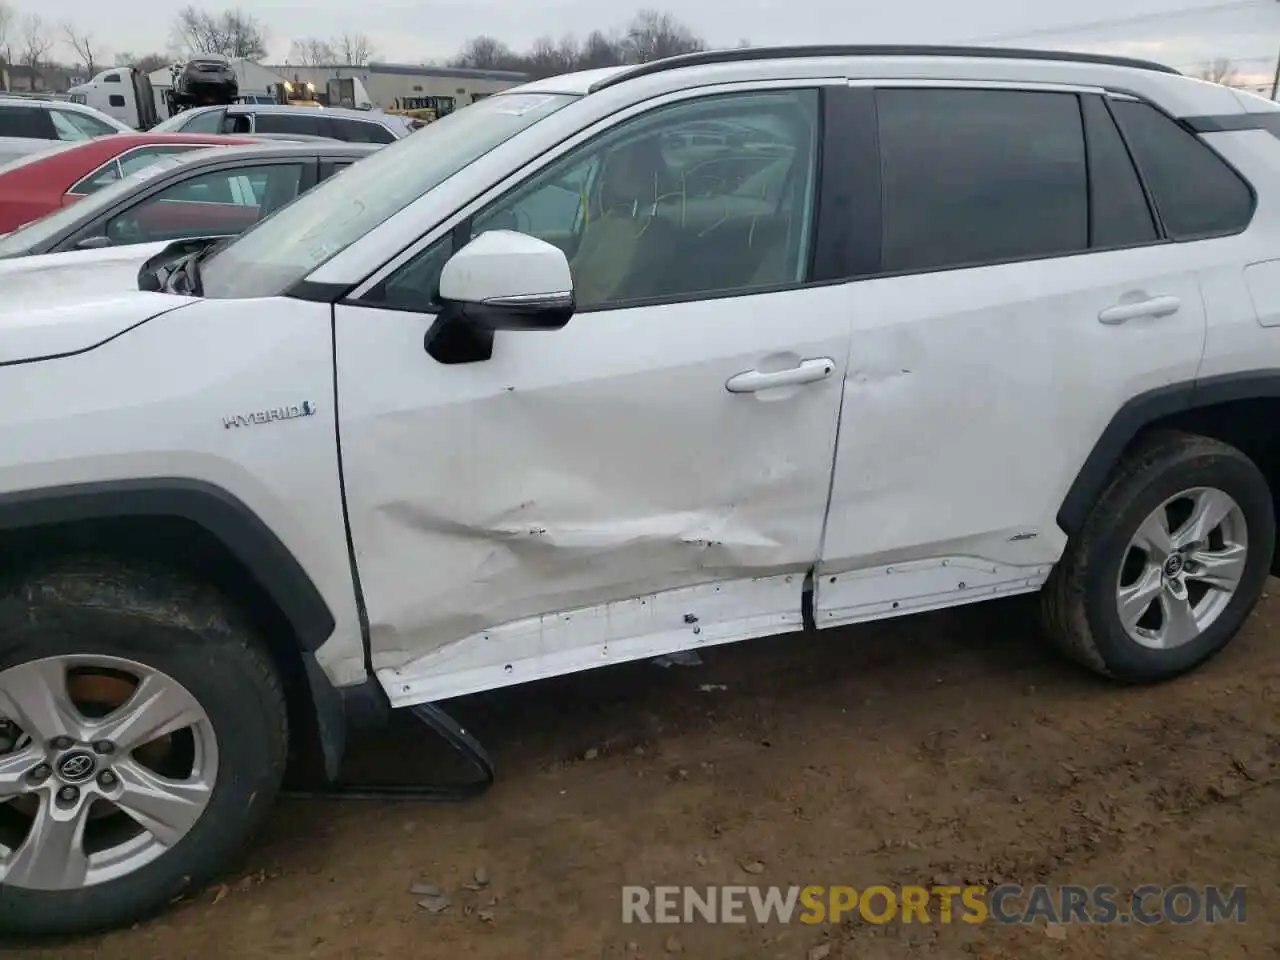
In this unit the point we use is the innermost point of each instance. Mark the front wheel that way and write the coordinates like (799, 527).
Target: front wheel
(143, 737)
(1169, 564)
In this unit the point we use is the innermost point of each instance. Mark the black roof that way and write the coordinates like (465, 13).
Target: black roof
(746, 54)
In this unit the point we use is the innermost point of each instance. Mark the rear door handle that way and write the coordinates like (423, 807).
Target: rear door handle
(1155, 307)
(808, 371)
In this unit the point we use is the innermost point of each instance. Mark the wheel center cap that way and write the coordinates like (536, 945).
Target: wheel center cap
(77, 766)
(1173, 566)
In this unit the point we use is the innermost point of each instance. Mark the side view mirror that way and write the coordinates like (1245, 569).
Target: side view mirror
(94, 243)
(501, 280)
(155, 272)
(504, 280)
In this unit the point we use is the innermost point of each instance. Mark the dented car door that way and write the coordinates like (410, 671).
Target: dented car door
(651, 477)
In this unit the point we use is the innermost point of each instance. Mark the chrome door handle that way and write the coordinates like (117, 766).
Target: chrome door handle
(1155, 307)
(808, 371)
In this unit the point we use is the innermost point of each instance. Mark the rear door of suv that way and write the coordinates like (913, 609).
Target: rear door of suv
(1017, 288)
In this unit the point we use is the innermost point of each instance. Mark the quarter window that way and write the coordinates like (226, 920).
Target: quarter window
(980, 176)
(360, 131)
(1195, 192)
(1118, 212)
(708, 197)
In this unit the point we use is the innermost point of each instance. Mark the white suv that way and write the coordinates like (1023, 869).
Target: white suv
(29, 125)
(614, 365)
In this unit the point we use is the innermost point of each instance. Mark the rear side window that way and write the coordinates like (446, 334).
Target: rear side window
(306, 125)
(980, 176)
(27, 122)
(360, 131)
(1196, 194)
(1119, 215)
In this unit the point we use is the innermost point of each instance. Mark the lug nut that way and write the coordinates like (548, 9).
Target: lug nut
(40, 773)
(68, 794)
(104, 746)
(107, 779)
(62, 743)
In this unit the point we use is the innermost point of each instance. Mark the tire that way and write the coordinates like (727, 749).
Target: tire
(84, 615)
(1081, 601)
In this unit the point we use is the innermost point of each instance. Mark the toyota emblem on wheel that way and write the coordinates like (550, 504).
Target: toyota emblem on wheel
(76, 767)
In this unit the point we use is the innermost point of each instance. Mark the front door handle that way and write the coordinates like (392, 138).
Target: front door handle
(808, 371)
(1155, 307)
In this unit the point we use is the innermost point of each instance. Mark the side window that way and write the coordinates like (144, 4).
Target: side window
(972, 177)
(116, 100)
(1195, 192)
(306, 124)
(88, 126)
(360, 131)
(707, 197)
(111, 78)
(1119, 215)
(124, 165)
(208, 122)
(221, 202)
(30, 123)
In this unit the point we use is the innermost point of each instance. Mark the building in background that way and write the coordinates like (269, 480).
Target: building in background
(398, 86)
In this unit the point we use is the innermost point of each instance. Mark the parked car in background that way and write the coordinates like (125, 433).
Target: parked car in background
(39, 183)
(30, 125)
(337, 123)
(219, 191)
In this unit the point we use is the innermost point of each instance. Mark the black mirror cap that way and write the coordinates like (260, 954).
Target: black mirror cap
(550, 312)
(153, 273)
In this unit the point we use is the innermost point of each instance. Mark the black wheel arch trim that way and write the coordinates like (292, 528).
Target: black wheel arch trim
(1144, 410)
(223, 515)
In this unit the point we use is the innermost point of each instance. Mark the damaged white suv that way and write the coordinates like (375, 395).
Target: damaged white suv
(614, 365)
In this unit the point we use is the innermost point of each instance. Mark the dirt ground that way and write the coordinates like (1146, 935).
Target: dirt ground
(946, 748)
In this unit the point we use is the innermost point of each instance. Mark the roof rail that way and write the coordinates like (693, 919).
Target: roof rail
(742, 54)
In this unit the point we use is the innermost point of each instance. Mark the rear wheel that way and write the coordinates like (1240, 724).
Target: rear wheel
(143, 737)
(1169, 564)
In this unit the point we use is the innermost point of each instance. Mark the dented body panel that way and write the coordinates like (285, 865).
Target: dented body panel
(604, 463)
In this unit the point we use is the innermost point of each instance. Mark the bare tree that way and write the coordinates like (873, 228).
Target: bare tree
(36, 42)
(546, 57)
(6, 32)
(313, 52)
(1221, 71)
(354, 49)
(233, 33)
(486, 53)
(652, 35)
(83, 43)
(599, 50)
(147, 63)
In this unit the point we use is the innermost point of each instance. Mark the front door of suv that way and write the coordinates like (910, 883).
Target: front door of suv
(640, 481)
(1025, 292)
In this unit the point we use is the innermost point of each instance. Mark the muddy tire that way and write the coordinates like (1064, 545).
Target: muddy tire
(1169, 563)
(147, 738)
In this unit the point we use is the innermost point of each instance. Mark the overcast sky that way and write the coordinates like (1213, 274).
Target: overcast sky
(1182, 33)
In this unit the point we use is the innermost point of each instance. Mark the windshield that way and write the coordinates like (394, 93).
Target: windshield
(285, 247)
(35, 233)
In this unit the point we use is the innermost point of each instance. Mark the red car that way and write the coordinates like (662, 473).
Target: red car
(41, 183)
